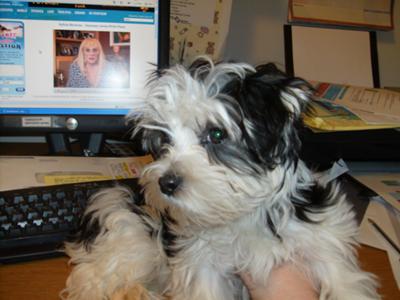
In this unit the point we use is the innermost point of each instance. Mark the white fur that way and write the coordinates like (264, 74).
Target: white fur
(220, 213)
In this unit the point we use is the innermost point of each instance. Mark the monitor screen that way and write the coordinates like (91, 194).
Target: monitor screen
(77, 65)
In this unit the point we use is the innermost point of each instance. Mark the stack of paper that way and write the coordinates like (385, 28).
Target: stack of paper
(342, 107)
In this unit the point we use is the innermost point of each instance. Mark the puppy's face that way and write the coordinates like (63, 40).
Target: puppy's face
(222, 137)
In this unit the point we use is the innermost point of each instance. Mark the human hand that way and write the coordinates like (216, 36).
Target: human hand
(285, 282)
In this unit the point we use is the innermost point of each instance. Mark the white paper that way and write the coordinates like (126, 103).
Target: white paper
(332, 55)
(374, 118)
(377, 101)
(386, 185)
(373, 106)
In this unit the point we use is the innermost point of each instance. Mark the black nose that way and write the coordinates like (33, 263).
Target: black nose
(169, 183)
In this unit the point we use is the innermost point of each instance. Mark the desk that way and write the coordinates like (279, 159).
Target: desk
(43, 280)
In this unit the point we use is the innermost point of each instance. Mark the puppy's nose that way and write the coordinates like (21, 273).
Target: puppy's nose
(169, 183)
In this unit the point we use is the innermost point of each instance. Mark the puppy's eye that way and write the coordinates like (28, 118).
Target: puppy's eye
(216, 135)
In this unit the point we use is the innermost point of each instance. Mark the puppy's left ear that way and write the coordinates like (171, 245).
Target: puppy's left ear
(272, 104)
(294, 92)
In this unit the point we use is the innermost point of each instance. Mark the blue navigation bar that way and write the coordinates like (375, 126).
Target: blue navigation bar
(22, 10)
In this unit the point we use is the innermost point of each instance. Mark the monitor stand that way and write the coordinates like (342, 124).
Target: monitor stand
(90, 144)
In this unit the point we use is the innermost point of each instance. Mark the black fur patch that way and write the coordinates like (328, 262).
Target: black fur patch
(235, 156)
(89, 227)
(313, 201)
(167, 235)
(86, 232)
(155, 141)
(260, 100)
(272, 227)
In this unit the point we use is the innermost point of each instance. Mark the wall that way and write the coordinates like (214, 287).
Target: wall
(389, 52)
(256, 36)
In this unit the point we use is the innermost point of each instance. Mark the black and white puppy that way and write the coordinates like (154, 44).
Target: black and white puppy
(227, 193)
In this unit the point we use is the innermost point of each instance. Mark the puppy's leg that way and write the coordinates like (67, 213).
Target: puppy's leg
(114, 248)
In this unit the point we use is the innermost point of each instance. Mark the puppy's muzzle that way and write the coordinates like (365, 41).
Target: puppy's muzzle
(169, 183)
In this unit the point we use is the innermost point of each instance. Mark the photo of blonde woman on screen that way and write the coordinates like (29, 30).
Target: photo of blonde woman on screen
(93, 62)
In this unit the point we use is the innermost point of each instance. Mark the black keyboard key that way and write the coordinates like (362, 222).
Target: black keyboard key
(78, 195)
(39, 205)
(69, 219)
(6, 226)
(68, 203)
(60, 195)
(10, 210)
(24, 208)
(53, 204)
(17, 217)
(33, 198)
(18, 199)
(48, 212)
(32, 214)
(62, 211)
(53, 220)
(76, 210)
(46, 196)
(38, 222)
(22, 224)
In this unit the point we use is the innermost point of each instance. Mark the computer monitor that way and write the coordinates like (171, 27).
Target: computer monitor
(77, 66)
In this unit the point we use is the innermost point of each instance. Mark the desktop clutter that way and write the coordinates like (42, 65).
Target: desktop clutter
(226, 193)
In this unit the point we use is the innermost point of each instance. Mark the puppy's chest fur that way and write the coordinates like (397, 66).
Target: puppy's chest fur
(214, 246)
(178, 240)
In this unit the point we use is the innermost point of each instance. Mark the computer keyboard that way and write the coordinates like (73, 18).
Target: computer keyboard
(34, 222)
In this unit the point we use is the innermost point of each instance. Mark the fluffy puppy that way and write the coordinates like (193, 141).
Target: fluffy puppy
(227, 193)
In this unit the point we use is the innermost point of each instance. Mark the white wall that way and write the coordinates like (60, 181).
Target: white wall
(256, 36)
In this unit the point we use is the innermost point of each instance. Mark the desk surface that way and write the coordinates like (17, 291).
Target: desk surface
(43, 280)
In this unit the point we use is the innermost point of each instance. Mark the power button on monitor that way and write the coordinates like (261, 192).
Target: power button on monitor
(71, 123)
